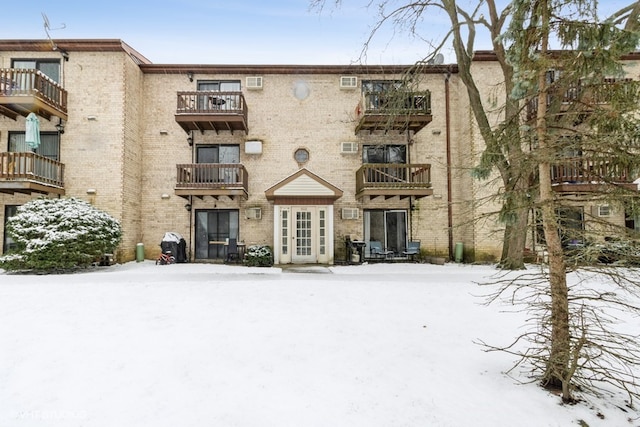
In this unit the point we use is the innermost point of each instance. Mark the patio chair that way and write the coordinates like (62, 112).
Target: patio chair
(376, 250)
(233, 255)
(413, 249)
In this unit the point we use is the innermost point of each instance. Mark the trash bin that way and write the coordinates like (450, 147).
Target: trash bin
(459, 252)
(140, 252)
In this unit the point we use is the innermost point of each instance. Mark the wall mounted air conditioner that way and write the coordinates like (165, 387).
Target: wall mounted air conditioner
(348, 82)
(602, 211)
(253, 213)
(349, 213)
(253, 147)
(254, 82)
(349, 147)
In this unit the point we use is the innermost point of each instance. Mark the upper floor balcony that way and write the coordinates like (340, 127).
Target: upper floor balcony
(393, 179)
(584, 98)
(581, 174)
(393, 110)
(30, 173)
(212, 179)
(24, 91)
(212, 110)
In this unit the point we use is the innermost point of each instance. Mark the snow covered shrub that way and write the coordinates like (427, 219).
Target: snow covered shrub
(58, 234)
(259, 256)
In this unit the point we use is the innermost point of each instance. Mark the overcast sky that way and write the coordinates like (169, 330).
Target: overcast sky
(232, 31)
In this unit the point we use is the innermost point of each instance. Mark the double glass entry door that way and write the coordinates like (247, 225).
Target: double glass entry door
(388, 227)
(213, 228)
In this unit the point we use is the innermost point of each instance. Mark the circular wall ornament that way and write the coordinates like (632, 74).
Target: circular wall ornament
(301, 90)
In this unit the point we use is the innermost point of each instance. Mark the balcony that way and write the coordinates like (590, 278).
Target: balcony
(579, 174)
(24, 91)
(30, 173)
(212, 179)
(392, 179)
(583, 97)
(211, 110)
(393, 111)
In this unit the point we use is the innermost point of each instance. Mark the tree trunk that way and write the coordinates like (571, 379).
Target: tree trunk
(515, 235)
(557, 369)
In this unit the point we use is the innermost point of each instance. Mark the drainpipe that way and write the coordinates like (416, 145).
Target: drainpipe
(192, 233)
(448, 142)
(409, 144)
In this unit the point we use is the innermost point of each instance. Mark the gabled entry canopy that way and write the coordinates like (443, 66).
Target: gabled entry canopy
(303, 187)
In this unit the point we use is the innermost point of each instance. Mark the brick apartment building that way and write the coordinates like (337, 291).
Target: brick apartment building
(299, 158)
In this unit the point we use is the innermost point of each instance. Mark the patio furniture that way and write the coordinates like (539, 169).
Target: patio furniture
(376, 250)
(413, 249)
(233, 254)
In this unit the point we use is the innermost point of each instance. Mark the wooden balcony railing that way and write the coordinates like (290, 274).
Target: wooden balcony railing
(212, 110)
(26, 90)
(394, 110)
(393, 179)
(30, 172)
(214, 179)
(588, 96)
(592, 172)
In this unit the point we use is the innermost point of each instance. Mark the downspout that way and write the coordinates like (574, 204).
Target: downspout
(448, 143)
(409, 144)
(190, 211)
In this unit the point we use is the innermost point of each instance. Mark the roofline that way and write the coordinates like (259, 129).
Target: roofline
(73, 45)
(117, 45)
(490, 55)
(291, 69)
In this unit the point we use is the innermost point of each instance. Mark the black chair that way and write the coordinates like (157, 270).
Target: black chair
(233, 255)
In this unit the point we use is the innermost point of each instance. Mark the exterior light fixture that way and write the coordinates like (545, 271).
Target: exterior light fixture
(91, 191)
(190, 75)
(164, 132)
(60, 126)
(164, 196)
(188, 207)
(190, 141)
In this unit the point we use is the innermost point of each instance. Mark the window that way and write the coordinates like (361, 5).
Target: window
(377, 93)
(49, 67)
(301, 155)
(223, 101)
(9, 243)
(49, 144)
(219, 85)
(384, 154)
(217, 155)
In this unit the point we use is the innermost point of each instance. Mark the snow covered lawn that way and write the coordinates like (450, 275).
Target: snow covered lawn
(388, 345)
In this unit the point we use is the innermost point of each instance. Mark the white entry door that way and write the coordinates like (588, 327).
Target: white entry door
(304, 235)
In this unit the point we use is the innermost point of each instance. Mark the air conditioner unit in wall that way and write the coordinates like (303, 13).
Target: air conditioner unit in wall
(349, 213)
(348, 82)
(254, 82)
(349, 147)
(602, 210)
(253, 213)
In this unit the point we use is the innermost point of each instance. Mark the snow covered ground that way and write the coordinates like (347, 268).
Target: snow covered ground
(214, 345)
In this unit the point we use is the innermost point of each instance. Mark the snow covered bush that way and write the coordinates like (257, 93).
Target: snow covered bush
(59, 234)
(259, 256)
